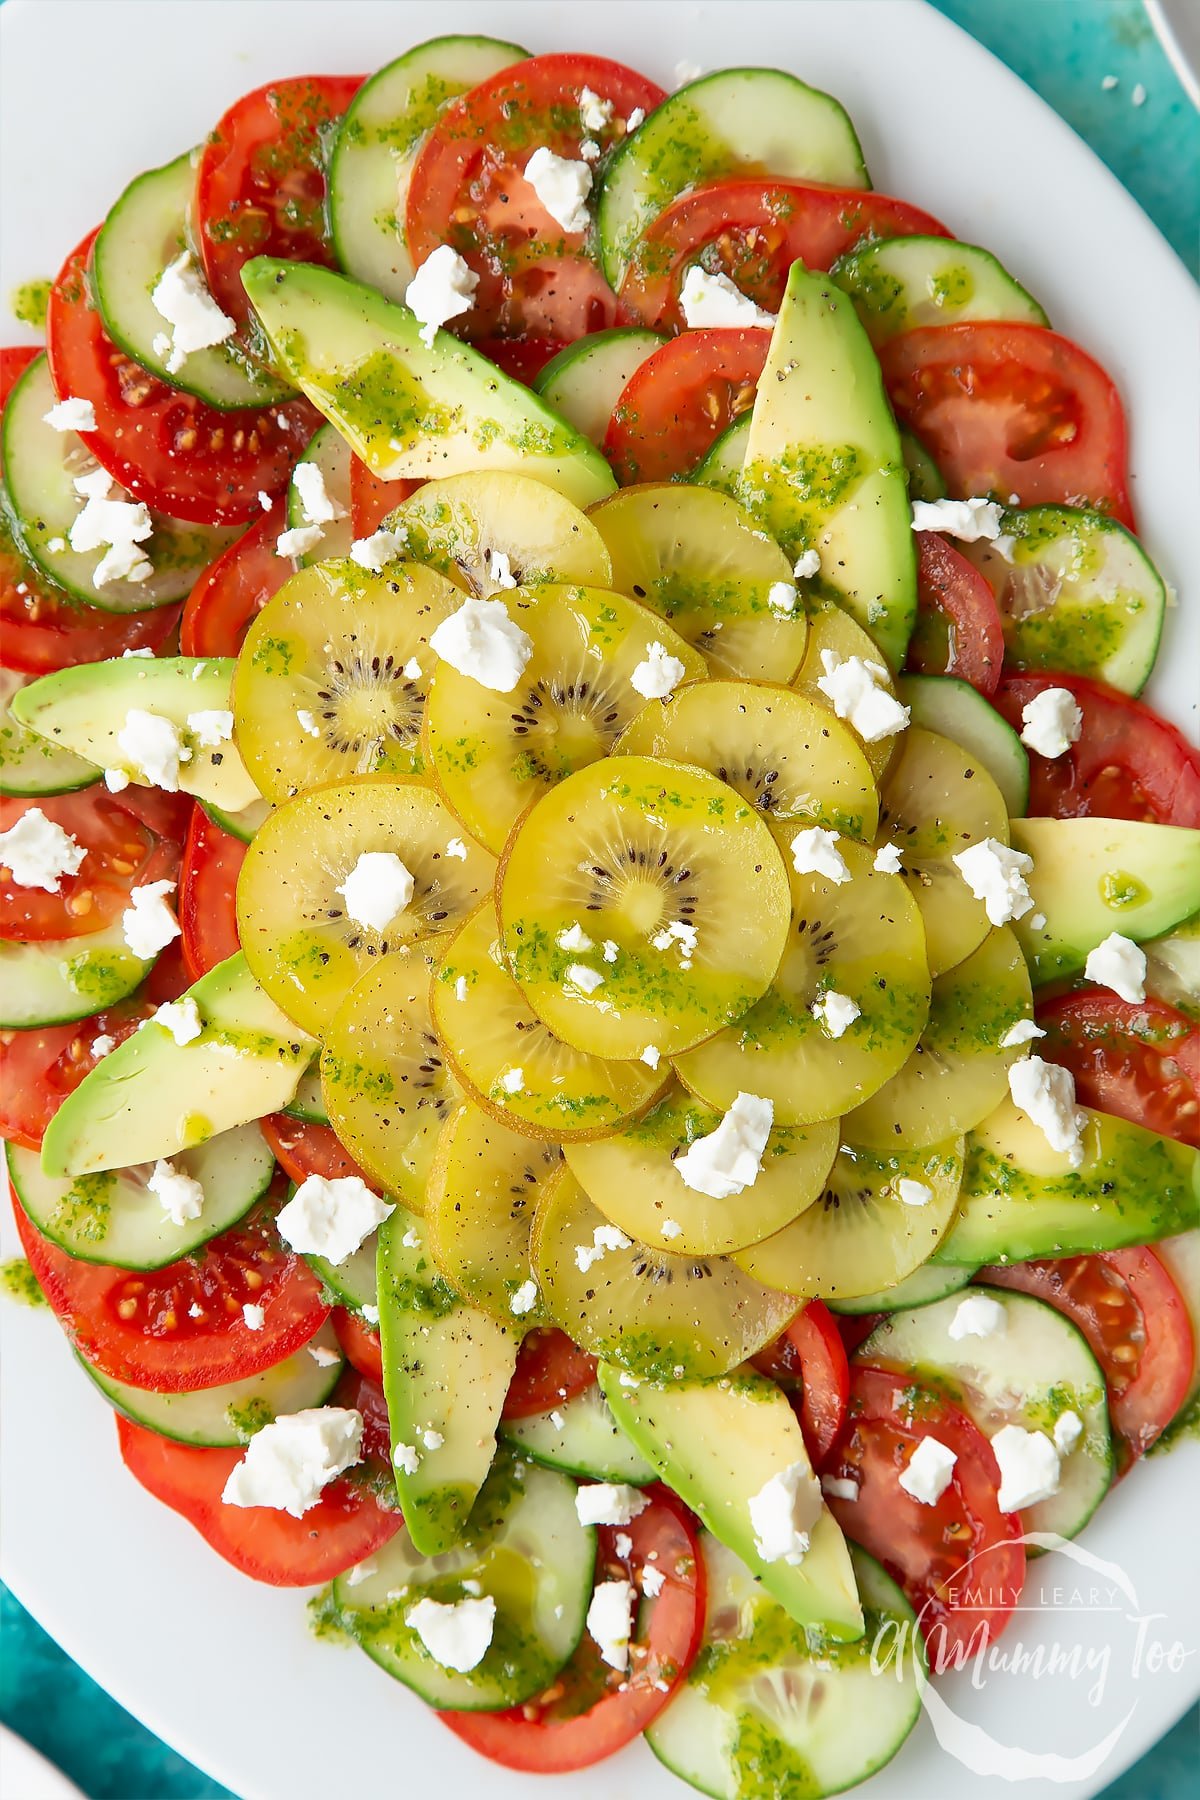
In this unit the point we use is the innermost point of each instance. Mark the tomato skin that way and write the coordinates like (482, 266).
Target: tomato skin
(372, 498)
(550, 1369)
(1137, 1323)
(1139, 1060)
(120, 855)
(349, 1521)
(809, 1363)
(14, 360)
(234, 588)
(207, 891)
(555, 1738)
(958, 630)
(1012, 409)
(1128, 763)
(674, 407)
(359, 1343)
(523, 358)
(39, 1068)
(167, 448)
(753, 229)
(304, 1149)
(161, 1346)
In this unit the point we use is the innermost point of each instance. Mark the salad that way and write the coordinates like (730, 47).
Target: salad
(600, 992)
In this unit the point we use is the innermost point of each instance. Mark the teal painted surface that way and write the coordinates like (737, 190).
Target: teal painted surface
(1063, 49)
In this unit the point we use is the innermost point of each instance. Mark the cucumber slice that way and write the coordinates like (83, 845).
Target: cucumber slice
(29, 765)
(377, 145)
(523, 1545)
(1077, 594)
(928, 1283)
(40, 465)
(897, 284)
(230, 1414)
(1030, 1373)
(242, 824)
(958, 711)
(84, 708)
(924, 477)
(722, 467)
(331, 454)
(355, 1282)
(585, 381)
(114, 1218)
(736, 122)
(308, 1103)
(1020, 1199)
(580, 1437)
(772, 1710)
(1091, 877)
(52, 983)
(145, 230)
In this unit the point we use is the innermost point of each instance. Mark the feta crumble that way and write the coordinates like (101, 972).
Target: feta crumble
(153, 748)
(839, 1487)
(1068, 1429)
(887, 860)
(713, 302)
(978, 1315)
(658, 675)
(1023, 1032)
(181, 1018)
(255, 1317)
(1045, 1093)
(1051, 722)
(407, 1458)
(1029, 1467)
(432, 1440)
(651, 1056)
(636, 118)
(412, 669)
(377, 889)
(594, 113)
(513, 1081)
(604, 1239)
(483, 642)
(929, 1469)
(118, 527)
(374, 553)
(102, 1045)
(1120, 964)
(499, 569)
(653, 1581)
(728, 1159)
(913, 1193)
(835, 1013)
(457, 1634)
(316, 502)
(609, 1503)
(443, 288)
(331, 1217)
(211, 727)
(574, 938)
(783, 1513)
(671, 1229)
(609, 1619)
(587, 980)
(562, 187)
(299, 540)
(323, 1355)
(457, 849)
(37, 852)
(857, 691)
(181, 1198)
(782, 598)
(290, 1462)
(307, 722)
(196, 321)
(71, 415)
(815, 852)
(525, 1299)
(808, 564)
(148, 924)
(968, 520)
(996, 875)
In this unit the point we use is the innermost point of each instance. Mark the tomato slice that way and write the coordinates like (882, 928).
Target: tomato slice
(590, 1711)
(167, 448)
(1012, 409)
(207, 894)
(958, 630)
(679, 401)
(550, 1369)
(809, 1362)
(937, 1553)
(360, 1345)
(120, 854)
(522, 358)
(1137, 1323)
(138, 1327)
(372, 498)
(234, 589)
(753, 230)
(1139, 1060)
(260, 182)
(14, 360)
(39, 1068)
(1128, 763)
(468, 189)
(355, 1515)
(304, 1149)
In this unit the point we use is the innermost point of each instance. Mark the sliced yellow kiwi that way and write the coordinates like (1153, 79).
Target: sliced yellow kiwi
(879, 1216)
(332, 678)
(631, 1176)
(697, 559)
(832, 629)
(493, 754)
(485, 1183)
(958, 1073)
(299, 938)
(675, 885)
(489, 531)
(936, 800)
(657, 1314)
(859, 938)
(792, 760)
(511, 1063)
(385, 1083)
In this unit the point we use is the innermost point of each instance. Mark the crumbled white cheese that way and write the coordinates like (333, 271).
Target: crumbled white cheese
(657, 677)
(361, 1572)
(686, 72)
(589, 150)
(181, 1198)
(996, 875)
(499, 570)
(680, 932)
(653, 1581)
(604, 1239)
(456, 848)
(323, 1355)
(443, 288)
(181, 1018)
(299, 540)
(525, 1298)
(978, 1315)
(37, 852)
(148, 923)
(306, 722)
(1051, 722)
(714, 303)
(265, 500)
(1029, 1467)
(782, 598)
(212, 727)
(969, 520)
(610, 950)
(513, 1081)
(331, 1217)
(728, 1159)
(289, 1462)
(432, 1440)
(783, 1513)
(623, 1545)
(118, 527)
(835, 1012)
(857, 691)
(56, 545)
(609, 1620)
(102, 1045)
(1045, 1093)
(483, 642)
(407, 1458)
(671, 1229)
(651, 1056)
(460, 993)
(1068, 1429)
(1023, 1032)
(255, 1317)
(412, 669)
(815, 852)
(574, 938)
(316, 502)
(913, 1193)
(636, 118)
(456, 1634)
(808, 564)
(887, 860)
(71, 415)
(153, 748)
(144, 653)
(587, 980)
(370, 1314)
(839, 1487)
(562, 187)
(609, 1503)
(196, 321)
(374, 553)
(929, 1469)
(1120, 964)
(377, 889)
(594, 113)
(411, 1239)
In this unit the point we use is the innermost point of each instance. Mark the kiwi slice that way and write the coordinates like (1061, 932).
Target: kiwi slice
(862, 1234)
(493, 754)
(829, 628)
(485, 1183)
(384, 1081)
(936, 800)
(697, 559)
(674, 885)
(631, 1176)
(659, 1315)
(332, 678)
(792, 760)
(299, 939)
(490, 531)
(511, 1064)
(958, 1073)
(860, 938)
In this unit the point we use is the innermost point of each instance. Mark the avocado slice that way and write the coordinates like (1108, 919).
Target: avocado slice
(152, 1097)
(824, 466)
(1095, 876)
(404, 408)
(83, 709)
(716, 1443)
(446, 1370)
